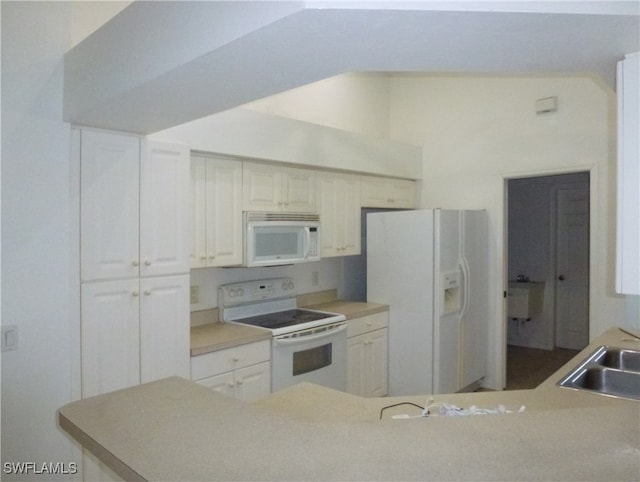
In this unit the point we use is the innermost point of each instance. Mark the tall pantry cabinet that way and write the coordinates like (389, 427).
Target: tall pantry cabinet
(134, 261)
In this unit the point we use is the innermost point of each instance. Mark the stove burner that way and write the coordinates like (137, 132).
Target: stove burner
(281, 319)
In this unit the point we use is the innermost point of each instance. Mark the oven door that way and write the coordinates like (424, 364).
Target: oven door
(317, 355)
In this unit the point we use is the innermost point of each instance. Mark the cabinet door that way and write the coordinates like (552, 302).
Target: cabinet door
(374, 192)
(164, 327)
(339, 208)
(261, 187)
(110, 336)
(164, 191)
(223, 383)
(402, 193)
(377, 349)
(350, 214)
(327, 208)
(198, 213)
(253, 382)
(299, 191)
(224, 212)
(381, 192)
(109, 206)
(356, 363)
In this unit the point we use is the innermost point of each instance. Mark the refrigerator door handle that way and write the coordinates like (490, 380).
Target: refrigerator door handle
(464, 268)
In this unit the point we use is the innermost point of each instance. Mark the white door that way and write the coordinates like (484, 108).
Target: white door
(572, 268)
(261, 188)
(299, 191)
(475, 317)
(164, 191)
(224, 212)
(447, 303)
(198, 213)
(378, 352)
(109, 205)
(253, 382)
(164, 327)
(110, 336)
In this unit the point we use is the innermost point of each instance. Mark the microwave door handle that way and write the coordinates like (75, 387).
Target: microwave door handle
(307, 242)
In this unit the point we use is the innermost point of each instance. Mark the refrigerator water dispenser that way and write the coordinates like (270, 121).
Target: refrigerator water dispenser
(452, 292)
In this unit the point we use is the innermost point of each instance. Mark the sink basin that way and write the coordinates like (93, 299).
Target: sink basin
(621, 359)
(610, 371)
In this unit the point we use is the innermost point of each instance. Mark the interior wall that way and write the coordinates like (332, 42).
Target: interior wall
(531, 203)
(208, 279)
(478, 131)
(37, 266)
(352, 102)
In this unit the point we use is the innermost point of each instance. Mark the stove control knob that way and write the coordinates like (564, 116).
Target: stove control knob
(240, 292)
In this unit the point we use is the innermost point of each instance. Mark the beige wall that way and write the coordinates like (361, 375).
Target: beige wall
(353, 102)
(478, 131)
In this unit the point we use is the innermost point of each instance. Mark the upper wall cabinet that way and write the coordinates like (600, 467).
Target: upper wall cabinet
(339, 208)
(628, 222)
(216, 212)
(274, 188)
(109, 200)
(133, 207)
(381, 192)
(164, 194)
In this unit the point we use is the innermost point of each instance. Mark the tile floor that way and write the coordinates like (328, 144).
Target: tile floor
(528, 367)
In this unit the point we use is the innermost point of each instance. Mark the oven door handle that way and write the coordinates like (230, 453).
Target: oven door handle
(286, 340)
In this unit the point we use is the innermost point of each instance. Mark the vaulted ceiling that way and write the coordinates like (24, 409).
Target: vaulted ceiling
(159, 64)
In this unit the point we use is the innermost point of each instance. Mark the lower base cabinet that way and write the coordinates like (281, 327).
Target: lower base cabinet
(242, 372)
(367, 355)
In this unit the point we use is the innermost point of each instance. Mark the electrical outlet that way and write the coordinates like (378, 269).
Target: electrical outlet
(9, 337)
(315, 278)
(194, 297)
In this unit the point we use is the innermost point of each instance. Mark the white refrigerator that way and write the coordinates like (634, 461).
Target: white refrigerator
(430, 267)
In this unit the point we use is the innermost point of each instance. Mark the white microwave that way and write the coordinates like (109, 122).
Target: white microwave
(272, 239)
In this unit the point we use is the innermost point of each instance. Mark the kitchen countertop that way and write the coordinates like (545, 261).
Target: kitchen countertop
(178, 430)
(215, 336)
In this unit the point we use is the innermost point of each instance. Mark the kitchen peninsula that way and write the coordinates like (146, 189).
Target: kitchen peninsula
(174, 429)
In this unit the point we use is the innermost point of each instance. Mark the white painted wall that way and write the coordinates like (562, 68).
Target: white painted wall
(37, 247)
(208, 279)
(477, 131)
(357, 102)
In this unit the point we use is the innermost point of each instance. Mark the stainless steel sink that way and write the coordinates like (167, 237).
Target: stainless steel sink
(610, 371)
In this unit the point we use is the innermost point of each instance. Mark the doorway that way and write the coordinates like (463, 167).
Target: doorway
(548, 244)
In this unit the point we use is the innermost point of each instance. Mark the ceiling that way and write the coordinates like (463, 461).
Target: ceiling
(160, 64)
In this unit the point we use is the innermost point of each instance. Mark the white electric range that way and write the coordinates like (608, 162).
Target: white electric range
(306, 345)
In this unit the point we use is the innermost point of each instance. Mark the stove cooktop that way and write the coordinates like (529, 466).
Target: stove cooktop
(282, 319)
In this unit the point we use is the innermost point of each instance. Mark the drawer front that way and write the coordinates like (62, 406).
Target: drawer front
(217, 362)
(364, 324)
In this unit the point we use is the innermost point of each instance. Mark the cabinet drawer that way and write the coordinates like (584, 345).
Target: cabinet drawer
(214, 363)
(364, 324)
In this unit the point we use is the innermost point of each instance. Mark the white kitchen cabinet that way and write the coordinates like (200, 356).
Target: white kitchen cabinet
(164, 193)
(277, 188)
(381, 192)
(133, 207)
(215, 212)
(109, 200)
(164, 327)
(367, 355)
(134, 260)
(133, 331)
(110, 336)
(628, 221)
(243, 372)
(339, 209)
